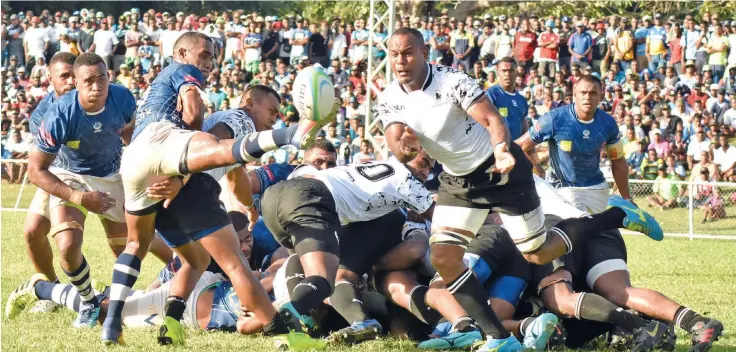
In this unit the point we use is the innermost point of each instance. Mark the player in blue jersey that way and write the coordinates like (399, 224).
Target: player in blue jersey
(37, 225)
(81, 131)
(168, 142)
(576, 133)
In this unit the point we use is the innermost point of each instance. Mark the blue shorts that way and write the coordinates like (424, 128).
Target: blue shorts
(175, 239)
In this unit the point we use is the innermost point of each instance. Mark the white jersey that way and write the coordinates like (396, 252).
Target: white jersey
(369, 191)
(438, 114)
(239, 123)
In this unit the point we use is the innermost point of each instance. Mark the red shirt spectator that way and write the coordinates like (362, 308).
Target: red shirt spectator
(525, 42)
(675, 51)
(549, 53)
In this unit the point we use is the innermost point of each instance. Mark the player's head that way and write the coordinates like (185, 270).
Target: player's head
(262, 104)
(588, 94)
(421, 166)
(408, 54)
(506, 69)
(61, 72)
(91, 79)
(321, 155)
(197, 49)
(240, 223)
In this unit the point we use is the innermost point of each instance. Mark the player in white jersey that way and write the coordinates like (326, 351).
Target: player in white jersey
(446, 113)
(304, 214)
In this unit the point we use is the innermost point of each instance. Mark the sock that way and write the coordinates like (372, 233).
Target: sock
(80, 278)
(125, 273)
(418, 306)
(525, 324)
(590, 306)
(309, 293)
(468, 291)
(375, 304)
(252, 146)
(276, 326)
(686, 318)
(294, 273)
(348, 301)
(175, 307)
(65, 295)
(576, 231)
(463, 324)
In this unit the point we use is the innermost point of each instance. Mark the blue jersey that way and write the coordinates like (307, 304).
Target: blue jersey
(225, 308)
(160, 101)
(264, 245)
(270, 175)
(513, 108)
(574, 146)
(38, 113)
(87, 143)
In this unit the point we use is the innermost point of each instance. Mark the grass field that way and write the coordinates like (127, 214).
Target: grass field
(700, 274)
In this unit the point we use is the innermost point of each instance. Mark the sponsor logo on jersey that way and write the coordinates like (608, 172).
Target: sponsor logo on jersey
(586, 134)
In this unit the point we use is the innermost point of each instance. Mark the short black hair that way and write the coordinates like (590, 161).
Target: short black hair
(260, 89)
(510, 60)
(89, 59)
(415, 34)
(323, 144)
(190, 39)
(238, 219)
(67, 58)
(591, 79)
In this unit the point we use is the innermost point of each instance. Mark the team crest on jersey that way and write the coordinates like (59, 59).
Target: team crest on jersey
(513, 102)
(586, 134)
(97, 127)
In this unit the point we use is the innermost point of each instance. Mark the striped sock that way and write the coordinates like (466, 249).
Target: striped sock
(252, 146)
(124, 275)
(80, 278)
(65, 295)
(471, 295)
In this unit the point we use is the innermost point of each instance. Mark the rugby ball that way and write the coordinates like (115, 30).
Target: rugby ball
(313, 93)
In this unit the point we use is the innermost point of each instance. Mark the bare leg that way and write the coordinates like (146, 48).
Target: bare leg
(35, 233)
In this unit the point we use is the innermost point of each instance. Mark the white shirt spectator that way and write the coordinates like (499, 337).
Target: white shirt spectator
(694, 148)
(168, 38)
(36, 39)
(729, 118)
(724, 160)
(232, 44)
(338, 44)
(104, 41)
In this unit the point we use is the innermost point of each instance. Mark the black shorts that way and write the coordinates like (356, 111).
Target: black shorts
(494, 245)
(301, 215)
(478, 190)
(363, 243)
(196, 211)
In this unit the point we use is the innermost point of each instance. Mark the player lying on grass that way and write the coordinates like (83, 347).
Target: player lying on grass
(213, 304)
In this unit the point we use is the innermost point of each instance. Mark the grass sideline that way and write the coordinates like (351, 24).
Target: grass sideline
(700, 274)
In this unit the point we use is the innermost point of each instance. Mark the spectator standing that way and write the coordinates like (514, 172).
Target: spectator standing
(525, 42)
(717, 49)
(15, 46)
(461, 46)
(133, 41)
(676, 50)
(641, 31)
(580, 46)
(270, 46)
(439, 44)
(656, 43)
(359, 42)
(252, 41)
(166, 42)
(36, 42)
(319, 45)
(624, 46)
(105, 43)
(563, 49)
(601, 52)
(233, 32)
(732, 45)
(299, 40)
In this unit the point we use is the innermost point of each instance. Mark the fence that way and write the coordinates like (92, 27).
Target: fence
(682, 217)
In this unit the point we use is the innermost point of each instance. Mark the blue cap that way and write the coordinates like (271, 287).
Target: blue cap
(549, 23)
(565, 19)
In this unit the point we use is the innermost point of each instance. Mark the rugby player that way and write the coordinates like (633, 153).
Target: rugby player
(83, 131)
(575, 134)
(512, 106)
(37, 225)
(305, 212)
(167, 142)
(446, 112)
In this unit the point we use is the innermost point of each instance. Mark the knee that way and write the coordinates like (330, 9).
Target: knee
(536, 258)
(35, 230)
(346, 276)
(443, 260)
(618, 295)
(132, 247)
(68, 243)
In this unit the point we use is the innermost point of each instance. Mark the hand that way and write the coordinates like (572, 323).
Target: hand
(252, 214)
(335, 108)
(98, 202)
(504, 160)
(409, 142)
(166, 190)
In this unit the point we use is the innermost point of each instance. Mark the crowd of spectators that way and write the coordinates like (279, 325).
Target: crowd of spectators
(669, 82)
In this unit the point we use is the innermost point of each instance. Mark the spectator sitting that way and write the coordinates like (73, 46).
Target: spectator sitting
(725, 158)
(332, 135)
(635, 160)
(659, 144)
(650, 165)
(365, 155)
(666, 192)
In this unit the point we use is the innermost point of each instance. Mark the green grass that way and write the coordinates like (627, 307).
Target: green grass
(700, 274)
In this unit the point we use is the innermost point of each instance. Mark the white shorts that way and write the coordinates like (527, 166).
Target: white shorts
(147, 308)
(553, 203)
(591, 199)
(280, 292)
(111, 184)
(152, 157)
(40, 203)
